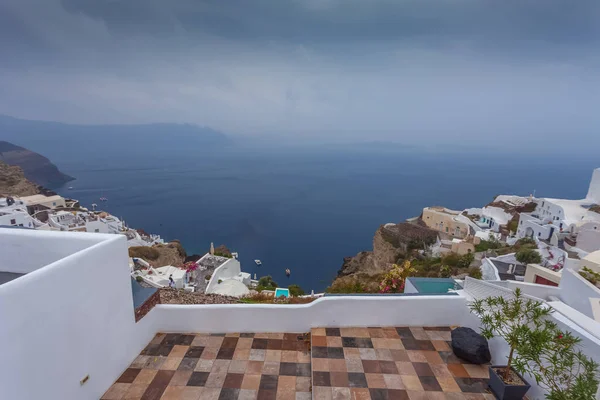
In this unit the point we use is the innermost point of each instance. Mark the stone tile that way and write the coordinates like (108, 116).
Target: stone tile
(171, 363)
(139, 362)
(214, 342)
(357, 380)
(246, 394)
(423, 369)
(390, 333)
(384, 354)
(244, 343)
(145, 377)
(267, 395)
(416, 356)
(210, 353)
(260, 344)
(303, 369)
(172, 393)
(449, 358)
(375, 381)
(360, 394)
(322, 393)
(336, 352)
(200, 340)
(320, 341)
(367, 354)
(334, 341)
(233, 381)
(378, 394)
(179, 351)
(412, 382)
(204, 365)
(352, 365)
(351, 353)
(258, 355)
(286, 369)
(180, 378)
(268, 382)
(376, 332)
(321, 379)
(440, 345)
(273, 355)
(289, 356)
(458, 370)
(230, 342)
(440, 370)
(395, 344)
(454, 396)
(254, 367)
(229, 393)
(419, 333)
(341, 393)
(337, 365)
(393, 381)
(272, 368)
(399, 355)
(332, 332)
(405, 368)
(187, 364)
(192, 393)
(215, 380)
(388, 367)
(221, 366)
(303, 383)
(379, 343)
(339, 379)
(433, 357)
(472, 385)
(155, 362)
(226, 353)
(404, 333)
(135, 391)
(448, 384)
(129, 375)
(425, 345)
(194, 352)
(116, 391)
(430, 383)
(477, 371)
(397, 394)
(198, 379)
(237, 366)
(251, 382)
(158, 338)
(241, 354)
(303, 395)
(417, 395)
(286, 383)
(317, 332)
(210, 393)
(320, 364)
(371, 366)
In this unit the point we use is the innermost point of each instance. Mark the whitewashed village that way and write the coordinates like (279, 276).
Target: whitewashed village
(544, 249)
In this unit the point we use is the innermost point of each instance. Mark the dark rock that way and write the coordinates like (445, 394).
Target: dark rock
(470, 346)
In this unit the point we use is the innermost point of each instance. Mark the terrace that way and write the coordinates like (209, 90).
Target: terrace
(362, 347)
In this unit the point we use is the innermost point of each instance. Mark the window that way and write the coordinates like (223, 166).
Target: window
(13, 221)
(96, 230)
(521, 222)
(543, 202)
(53, 203)
(446, 229)
(539, 233)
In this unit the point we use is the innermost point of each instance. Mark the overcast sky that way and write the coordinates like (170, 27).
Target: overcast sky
(409, 71)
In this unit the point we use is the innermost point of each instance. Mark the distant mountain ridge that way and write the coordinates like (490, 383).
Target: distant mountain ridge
(35, 167)
(54, 139)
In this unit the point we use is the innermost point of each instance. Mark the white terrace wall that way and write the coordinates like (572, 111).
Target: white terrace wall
(72, 318)
(343, 311)
(24, 251)
(577, 292)
(228, 270)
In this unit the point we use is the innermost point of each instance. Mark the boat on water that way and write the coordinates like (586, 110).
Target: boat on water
(103, 199)
(258, 262)
(70, 187)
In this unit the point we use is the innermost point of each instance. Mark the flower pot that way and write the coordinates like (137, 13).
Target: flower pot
(504, 391)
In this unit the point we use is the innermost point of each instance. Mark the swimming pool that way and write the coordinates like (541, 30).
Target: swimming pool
(282, 292)
(430, 285)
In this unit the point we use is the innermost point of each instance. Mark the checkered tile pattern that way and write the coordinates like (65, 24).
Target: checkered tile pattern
(392, 363)
(269, 366)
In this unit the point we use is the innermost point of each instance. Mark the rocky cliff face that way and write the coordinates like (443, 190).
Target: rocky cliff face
(14, 183)
(36, 167)
(391, 241)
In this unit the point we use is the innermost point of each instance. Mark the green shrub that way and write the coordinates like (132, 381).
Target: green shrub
(147, 253)
(266, 283)
(445, 271)
(528, 256)
(465, 260)
(295, 290)
(451, 259)
(139, 279)
(220, 281)
(353, 286)
(592, 276)
(207, 277)
(475, 272)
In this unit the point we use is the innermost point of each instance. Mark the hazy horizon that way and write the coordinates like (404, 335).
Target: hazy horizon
(484, 74)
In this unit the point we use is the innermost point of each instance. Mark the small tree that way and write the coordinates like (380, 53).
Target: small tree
(393, 281)
(475, 273)
(295, 290)
(445, 271)
(528, 256)
(266, 283)
(513, 320)
(466, 260)
(553, 357)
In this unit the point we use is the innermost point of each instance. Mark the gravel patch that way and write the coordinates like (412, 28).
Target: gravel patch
(178, 296)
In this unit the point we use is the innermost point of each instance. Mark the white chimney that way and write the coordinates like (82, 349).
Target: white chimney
(212, 248)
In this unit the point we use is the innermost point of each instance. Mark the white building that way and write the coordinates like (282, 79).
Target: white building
(91, 328)
(573, 221)
(225, 274)
(14, 213)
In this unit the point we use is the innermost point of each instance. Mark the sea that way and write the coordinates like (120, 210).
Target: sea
(302, 208)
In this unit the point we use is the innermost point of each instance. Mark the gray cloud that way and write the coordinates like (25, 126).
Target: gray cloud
(409, 71)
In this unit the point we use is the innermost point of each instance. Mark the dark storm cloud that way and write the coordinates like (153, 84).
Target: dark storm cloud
(443, 69)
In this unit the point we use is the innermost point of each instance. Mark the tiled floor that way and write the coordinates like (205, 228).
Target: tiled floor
(392, 363)
(270, 366)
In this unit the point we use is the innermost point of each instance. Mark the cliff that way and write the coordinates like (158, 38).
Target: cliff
(36, 167)
(391, 242)
(14, 183)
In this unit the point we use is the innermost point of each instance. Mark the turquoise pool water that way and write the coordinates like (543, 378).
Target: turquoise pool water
(433, 285)
(282, 292)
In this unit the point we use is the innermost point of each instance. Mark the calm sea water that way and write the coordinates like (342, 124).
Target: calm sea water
(303, 209)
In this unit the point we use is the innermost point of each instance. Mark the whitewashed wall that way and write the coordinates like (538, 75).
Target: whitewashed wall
(577, 292)
(228, 270)
(342, 311)
(66, 320)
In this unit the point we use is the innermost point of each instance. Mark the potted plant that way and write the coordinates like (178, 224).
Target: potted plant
(513, 320)
(558, 364)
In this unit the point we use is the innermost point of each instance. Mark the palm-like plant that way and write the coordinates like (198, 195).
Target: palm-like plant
(514, 320)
